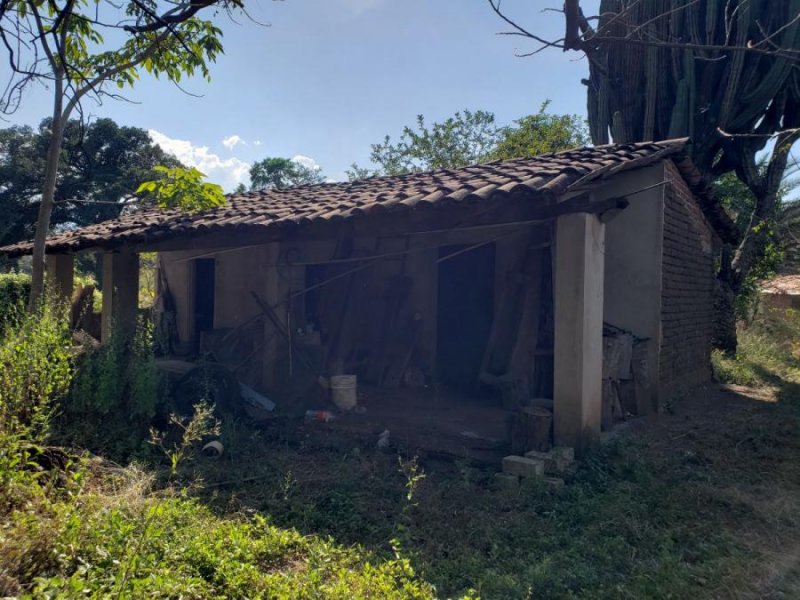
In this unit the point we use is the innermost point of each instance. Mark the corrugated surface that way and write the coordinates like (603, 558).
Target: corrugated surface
(547, 175)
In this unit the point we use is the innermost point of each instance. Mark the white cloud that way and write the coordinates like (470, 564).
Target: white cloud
(307, 162)
(228, 172)
(257, 143)
(231, 141)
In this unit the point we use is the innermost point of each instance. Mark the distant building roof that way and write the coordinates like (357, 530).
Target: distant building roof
(788, 285)
(546, 176)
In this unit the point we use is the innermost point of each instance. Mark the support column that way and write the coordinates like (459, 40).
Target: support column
(59, 269)
(578, 364)
(120, 292)
(274, 294)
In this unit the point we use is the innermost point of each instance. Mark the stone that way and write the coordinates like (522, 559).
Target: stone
(554, 483)
(563, 452)
(545, 457)
(562, 458)
(522, 466)
(506, 482)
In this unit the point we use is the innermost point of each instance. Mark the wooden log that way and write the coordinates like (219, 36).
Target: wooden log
(531, 429)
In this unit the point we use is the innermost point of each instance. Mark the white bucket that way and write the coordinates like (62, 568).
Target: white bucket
(343, 391)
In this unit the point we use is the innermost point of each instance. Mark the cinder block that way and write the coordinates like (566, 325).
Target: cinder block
(554, 483)
(522, 466)
(563, 452)
(545, 457)
(506, 481)
(562, 457)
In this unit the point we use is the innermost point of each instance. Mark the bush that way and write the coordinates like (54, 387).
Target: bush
(14, 292)
(35, 372)
(120, 376)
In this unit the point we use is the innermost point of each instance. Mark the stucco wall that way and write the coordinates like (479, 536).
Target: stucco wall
(632, 291)
(688, 286)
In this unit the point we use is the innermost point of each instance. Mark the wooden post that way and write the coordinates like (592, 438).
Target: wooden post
(120, 293)
(275, 294)
(578, 348)
(59, 269)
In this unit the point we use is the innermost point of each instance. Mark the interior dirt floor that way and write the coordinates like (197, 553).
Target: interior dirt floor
(433, 421)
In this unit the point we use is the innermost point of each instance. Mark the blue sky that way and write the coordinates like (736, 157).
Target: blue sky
(327, 78)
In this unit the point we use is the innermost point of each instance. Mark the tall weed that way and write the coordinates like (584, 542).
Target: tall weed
(35, 371)
(120, 376)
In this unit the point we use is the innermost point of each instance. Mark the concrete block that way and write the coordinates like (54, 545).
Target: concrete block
(522, 466)
(554, 483)
(545, 457)
(506, 482)
(563, 457)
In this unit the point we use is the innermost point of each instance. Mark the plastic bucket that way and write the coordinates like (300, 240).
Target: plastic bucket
(343, 391)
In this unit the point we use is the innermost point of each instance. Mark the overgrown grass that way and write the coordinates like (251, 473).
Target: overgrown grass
(624, 526)
(768, 352)
(692, 507)
(71, 526)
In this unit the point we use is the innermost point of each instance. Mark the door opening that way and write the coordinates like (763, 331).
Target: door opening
(203, 295)
(465, 314)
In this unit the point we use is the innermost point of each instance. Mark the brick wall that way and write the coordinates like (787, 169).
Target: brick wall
(687, 289)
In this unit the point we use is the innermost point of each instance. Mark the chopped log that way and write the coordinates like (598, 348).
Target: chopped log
(531, 429)
(81, 308)
(611, 406)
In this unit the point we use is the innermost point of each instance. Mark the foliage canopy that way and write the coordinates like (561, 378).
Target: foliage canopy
(470, 137)
(179, 187)
(277, 172)
(102, 165)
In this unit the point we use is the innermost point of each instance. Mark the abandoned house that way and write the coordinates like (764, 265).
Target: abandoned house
(580, 282)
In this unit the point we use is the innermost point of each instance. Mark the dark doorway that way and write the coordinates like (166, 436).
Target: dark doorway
(465, 314)
(204, 276)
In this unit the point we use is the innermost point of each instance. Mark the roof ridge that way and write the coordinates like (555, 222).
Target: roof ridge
(540, 178)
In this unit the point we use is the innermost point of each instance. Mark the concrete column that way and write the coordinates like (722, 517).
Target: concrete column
(274, 293)
(59, 269)
(120, 292)
(578, 364)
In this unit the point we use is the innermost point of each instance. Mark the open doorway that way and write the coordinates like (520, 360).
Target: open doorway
(203, 295)
(465, 314)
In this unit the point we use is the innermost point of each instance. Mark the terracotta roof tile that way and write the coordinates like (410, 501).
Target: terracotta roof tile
(548, 174)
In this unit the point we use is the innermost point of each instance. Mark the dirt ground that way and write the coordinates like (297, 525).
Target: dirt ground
(742, 443)
(702, 501)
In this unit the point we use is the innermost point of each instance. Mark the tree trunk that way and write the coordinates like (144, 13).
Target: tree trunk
(48, 195)
(724, 324)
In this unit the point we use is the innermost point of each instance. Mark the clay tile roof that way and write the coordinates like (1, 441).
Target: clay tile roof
(542, 176)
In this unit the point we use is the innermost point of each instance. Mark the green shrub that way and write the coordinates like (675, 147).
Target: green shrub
(120, 376)
(35, 372)
(14, 292)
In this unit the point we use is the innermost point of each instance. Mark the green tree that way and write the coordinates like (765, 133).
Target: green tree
(467, 137)
(102, 165)
(471, 137)
(276, 173)
(94, 49)
(779, 232)
(179, 187)
(541, 133)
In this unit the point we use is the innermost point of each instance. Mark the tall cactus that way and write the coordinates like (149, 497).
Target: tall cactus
(705, 69)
